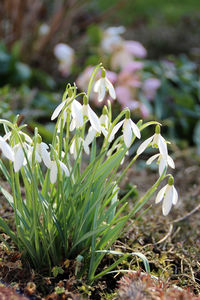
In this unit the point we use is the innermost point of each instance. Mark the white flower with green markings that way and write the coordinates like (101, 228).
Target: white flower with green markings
(102, 86)
(169, 196)
(162, 162)
(157, 141)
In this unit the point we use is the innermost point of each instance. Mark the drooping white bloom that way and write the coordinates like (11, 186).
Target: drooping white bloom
(169, 196)
(6, 149)
(41, 148)
(92, 132)
(19, 159)
(162, 161)
(75, 147)
(101, 86)
(129, 128)
(92, 117)
(157, 141)
(76, 113)
(54, 170)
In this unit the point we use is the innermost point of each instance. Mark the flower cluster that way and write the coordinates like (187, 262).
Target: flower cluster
(72, 207)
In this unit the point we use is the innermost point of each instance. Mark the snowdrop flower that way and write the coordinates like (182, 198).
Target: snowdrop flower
(76, 111)
(157, 141)
(169, 196)
(102, 85)
(75, 146)
(90, 115)
(41, 149)
(65, 56)
(6, 149)
(162, 161)
(19, 159)
(104, 127)
(129, 128)
(54, 170)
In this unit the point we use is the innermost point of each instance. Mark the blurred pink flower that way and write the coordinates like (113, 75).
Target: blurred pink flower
(135, 48)
(124, 97)
(150, 87)
(133, 66)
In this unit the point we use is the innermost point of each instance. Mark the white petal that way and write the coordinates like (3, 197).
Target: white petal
(114, 131)
(6, 149)
(64, 168)
(96, 86)
(162, 165)
(72, 125)
(175, 196)
(162, 147)
(127, 134)
(86, 148)
(53, 172)
(152, 158)
(58, 110)
(135, 129)
(167, 202)
(170, 162)
(94, 120)
(27, 137)
(160, 194)
(110, 88)
(77, 113)
(45, 155)
(90, 136)
(19, 158)
(144, 145)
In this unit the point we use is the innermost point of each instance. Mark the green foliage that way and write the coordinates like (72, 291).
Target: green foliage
(177, 102)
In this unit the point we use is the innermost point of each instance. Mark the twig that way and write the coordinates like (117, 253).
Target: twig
(187, 215)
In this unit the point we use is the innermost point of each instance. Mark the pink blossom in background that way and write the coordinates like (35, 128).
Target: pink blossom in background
(129, 79)
(135, 48)
(120, 58)
(150, 87)
(125, 98)
(144, 110)
(133, 66)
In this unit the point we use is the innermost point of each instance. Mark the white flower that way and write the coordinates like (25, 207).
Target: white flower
(101, 86)
(90, 114)
(76, 112)
(75, 146)
(19, 159)
(129, 127)
(6, 149)
(169, 196)
(41, 148)
(92, 132)
(157, 141)
(162, 161)
(54, 170)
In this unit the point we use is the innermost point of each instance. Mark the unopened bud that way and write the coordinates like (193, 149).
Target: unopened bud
(171, 180)
(157, 130)
(85, 100)
(128, 114)
(105, 110)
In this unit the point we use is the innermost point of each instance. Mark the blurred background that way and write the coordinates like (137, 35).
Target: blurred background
(151, 50)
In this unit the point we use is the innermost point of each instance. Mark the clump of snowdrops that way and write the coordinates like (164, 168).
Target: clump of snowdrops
(71, 208)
